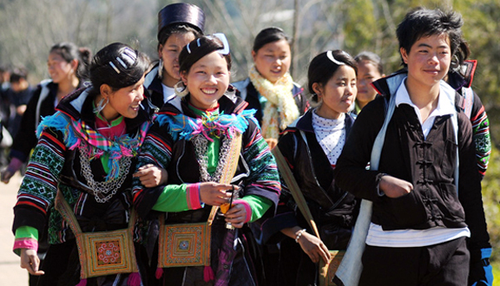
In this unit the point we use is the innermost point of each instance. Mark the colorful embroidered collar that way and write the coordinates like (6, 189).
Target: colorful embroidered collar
(210, 123)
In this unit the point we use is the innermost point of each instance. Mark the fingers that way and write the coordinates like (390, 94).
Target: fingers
(30, 262)
(6, 175)
(236, 215)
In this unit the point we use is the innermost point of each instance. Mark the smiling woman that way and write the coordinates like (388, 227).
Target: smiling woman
(211, 148)
(84, 155)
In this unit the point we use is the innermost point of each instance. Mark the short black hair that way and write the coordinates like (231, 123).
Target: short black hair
(421, 22)
(17, 74)
(322, 68)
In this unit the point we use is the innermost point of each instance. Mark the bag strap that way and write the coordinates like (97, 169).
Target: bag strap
(65, 210)
(229, 170)
(290, 181)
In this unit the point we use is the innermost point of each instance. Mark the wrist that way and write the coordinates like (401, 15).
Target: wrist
(299, 235)
(378, 179)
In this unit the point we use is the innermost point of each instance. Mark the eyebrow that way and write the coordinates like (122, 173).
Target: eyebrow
(429, 46)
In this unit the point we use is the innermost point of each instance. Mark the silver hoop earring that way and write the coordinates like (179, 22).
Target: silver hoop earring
(160, 68)
(180, 89)
(100, 106)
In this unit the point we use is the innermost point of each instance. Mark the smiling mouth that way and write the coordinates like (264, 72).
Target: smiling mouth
(209, 91)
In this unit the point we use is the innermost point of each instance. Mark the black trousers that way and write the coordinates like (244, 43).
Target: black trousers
(441, 264)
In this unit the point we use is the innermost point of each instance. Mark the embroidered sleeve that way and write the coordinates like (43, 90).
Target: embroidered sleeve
(263, 180)
(481, 135)
(26, 237)
(178, 198)
(256, 206)
(39, 186)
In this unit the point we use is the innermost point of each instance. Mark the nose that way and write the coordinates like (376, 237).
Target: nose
(212, 79)
(140, 93)
(351, 89)
(433, 58)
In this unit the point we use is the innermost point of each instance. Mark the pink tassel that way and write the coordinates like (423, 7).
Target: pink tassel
(208, 274)
(159, 273)
(83, 282)
(134, 279)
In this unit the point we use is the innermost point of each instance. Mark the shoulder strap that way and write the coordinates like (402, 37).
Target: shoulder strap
(229, 169)
(67, 213)
(43, 94)
(294, 188)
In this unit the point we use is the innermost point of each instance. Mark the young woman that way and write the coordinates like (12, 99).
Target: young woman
(178, 24)
(369, 70)
(311, 147)
(83, 160)
(67, 64)
(270, 88)
(195, 137)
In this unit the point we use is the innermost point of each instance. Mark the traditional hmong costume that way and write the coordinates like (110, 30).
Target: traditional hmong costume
(192, 145)
(82, 164)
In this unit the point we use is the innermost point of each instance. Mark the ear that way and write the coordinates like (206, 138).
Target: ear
(317, 88)
(105, 90)
(74, 64)
(404, 55)
(160, 49)
(254, 55)
(184, 77)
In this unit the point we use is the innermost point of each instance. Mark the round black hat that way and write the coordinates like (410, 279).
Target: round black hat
(181, 13)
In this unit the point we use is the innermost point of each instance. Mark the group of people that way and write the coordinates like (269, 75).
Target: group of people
(166, 175)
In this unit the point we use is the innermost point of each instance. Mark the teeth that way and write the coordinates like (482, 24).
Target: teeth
(209, 91)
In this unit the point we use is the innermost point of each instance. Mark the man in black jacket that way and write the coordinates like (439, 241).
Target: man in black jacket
(422, 231)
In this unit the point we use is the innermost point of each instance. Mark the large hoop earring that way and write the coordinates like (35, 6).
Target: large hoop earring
(180, 89)
(160, 68)
(100, 106)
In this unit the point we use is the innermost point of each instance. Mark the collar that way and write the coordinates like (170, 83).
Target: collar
(304, 123)
(446, 99)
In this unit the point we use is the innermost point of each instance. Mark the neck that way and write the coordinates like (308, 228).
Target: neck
(67, 86)
(327, 113)
(108, 112)
(168, 80)
(422, 95)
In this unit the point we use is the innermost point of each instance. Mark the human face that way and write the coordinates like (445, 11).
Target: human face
(272, 61)
(207, 80)
(169, 53)
(338, 94)
(367, 73)
(59, 69)
(125, 101)
(428, 61)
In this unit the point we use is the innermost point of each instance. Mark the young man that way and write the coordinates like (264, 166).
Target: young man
(422, 232)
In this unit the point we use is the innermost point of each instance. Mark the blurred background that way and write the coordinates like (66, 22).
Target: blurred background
(28, 28)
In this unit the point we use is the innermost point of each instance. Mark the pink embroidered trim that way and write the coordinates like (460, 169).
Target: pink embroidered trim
(28, 243)
(247, 209)
(193, 196)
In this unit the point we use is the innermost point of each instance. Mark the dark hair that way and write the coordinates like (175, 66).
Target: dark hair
(69, 51)
(421, 22)
(372, 58)
(199, 48)
(322, 68)
(17, 74)
(118, 66)
(176, 29)
(269, 35)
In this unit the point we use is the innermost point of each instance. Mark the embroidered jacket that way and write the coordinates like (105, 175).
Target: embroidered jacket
(55, 164)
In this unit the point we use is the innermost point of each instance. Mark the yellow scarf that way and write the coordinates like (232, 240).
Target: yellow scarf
(280, 109)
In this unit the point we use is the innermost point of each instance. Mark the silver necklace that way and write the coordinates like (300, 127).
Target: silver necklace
(105, 190)
(201, 147)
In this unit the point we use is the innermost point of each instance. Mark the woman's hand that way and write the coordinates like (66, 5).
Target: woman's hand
(236, 215)
(394, 187)
(151, 176)
(314, 247)
(30, 261)
(215, 194)
(272, 142)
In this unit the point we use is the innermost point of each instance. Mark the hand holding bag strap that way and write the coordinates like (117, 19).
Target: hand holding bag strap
(229, 170)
